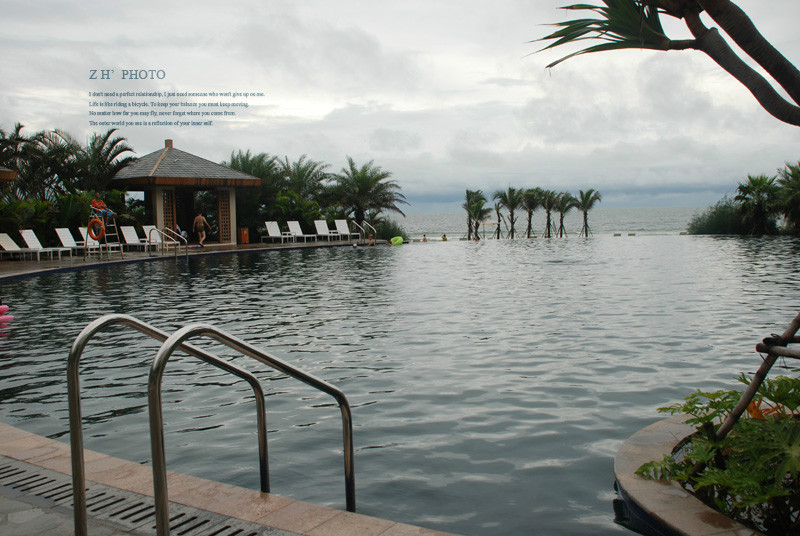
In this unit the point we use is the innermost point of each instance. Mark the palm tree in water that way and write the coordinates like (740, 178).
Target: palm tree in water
(478, 213)
(548, 201)
(585, 202)
(497, 207)
(472, 197)
(531, 200)
(565, 202)
(511, 200)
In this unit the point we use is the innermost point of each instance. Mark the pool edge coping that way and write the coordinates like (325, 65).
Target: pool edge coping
(668, 503)
(266, 509)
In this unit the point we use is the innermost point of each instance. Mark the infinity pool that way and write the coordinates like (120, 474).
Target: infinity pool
(491, 382)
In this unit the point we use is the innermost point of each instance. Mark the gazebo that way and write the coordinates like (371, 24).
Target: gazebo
(169, 178)
(7, 175)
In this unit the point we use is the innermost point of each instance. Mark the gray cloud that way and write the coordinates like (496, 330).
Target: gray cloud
(444, 102)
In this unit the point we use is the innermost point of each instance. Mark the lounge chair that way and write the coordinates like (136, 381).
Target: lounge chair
(67, 240)
(90, 243)
(11, 247)
(297, 232)
(274, 232)
(155, 238)
(132, 238)
(322, 230)
(30, 238)
(344, 230)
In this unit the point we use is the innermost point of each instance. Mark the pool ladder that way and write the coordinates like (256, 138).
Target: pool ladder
(170, 343)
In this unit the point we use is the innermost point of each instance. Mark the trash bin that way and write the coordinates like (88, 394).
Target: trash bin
(244, 235)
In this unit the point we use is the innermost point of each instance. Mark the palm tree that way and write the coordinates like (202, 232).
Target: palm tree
(101, 159)
(512, 200)
(585, 203)
(565, 202)
(548, 201)
(49, 164)
(471, 198)
(478, 212)
(497, 207)
(254, 210)
(636, 24)
(305, 177)
(758, 199)
(12, 147)
(531, 200)
(789, 180)
(359, 189)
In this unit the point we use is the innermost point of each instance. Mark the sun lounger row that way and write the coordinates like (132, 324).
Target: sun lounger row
(295, 232)
(34, 247)
(153, 238)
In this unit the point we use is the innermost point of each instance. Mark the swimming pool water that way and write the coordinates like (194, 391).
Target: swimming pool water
(491, 382)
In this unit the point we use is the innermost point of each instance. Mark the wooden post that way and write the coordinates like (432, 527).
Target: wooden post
(773, 352)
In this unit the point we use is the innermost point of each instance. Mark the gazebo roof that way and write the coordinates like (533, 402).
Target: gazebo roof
(173, 167)
(7, 175)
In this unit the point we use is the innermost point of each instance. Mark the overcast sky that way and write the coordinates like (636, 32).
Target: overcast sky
(445, 95)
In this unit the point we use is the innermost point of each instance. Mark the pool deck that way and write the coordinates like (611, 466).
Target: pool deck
(15, 268)
(36, 499)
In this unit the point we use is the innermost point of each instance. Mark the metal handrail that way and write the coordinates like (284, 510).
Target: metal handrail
(177, 237)
(363, 231)
(176, 340)
(75, 418)
(163, 243)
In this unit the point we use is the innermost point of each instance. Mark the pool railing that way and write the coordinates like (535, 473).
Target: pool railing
(170, 343)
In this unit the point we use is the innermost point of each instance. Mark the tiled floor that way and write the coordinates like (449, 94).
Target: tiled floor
(21, 514)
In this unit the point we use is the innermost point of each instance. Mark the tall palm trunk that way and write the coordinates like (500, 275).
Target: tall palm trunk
(548, 226)
(585, 231)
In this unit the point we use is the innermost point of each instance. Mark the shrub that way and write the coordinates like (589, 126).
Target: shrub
(724, 218)
(387, 229)
(752, 474)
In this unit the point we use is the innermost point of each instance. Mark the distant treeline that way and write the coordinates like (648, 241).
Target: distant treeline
(508, 203)
(763, 205)
(57, 175)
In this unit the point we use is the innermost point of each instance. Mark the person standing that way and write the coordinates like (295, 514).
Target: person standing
(199, 225)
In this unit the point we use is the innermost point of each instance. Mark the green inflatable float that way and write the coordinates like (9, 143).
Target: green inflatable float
(397, 240)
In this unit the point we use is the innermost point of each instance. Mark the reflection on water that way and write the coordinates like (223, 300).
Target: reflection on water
(491, 382)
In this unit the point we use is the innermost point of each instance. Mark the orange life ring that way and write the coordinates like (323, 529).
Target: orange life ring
(100, 233)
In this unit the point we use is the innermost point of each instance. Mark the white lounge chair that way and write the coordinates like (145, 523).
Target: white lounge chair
(297, 232)
(89, 242)
(30, 238)
(67, 240)
(322, 230)
(132, 238)
(11, 247)
(274, 232)
(156, 238)
(344, 229)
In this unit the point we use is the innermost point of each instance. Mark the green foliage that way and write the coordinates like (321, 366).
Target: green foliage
(789, 181)
(73, 210)
(752, 474)
(387, 229)
(721, 219)
(620, 24)
(16, 214)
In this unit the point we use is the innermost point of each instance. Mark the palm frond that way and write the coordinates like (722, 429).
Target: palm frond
(621, 24)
